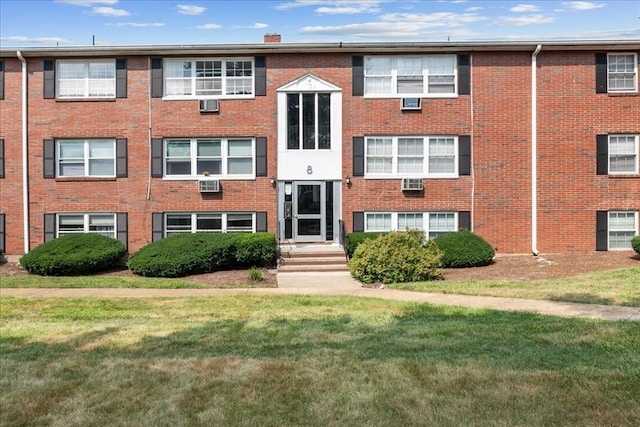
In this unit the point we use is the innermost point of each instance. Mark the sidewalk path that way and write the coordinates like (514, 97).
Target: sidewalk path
(336, 284)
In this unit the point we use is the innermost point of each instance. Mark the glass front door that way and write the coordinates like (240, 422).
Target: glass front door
(309, 211)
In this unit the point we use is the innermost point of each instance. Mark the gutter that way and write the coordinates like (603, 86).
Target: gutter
(25, 172)
(534, 151)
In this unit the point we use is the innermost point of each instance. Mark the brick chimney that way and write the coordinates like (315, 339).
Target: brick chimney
(272, 38)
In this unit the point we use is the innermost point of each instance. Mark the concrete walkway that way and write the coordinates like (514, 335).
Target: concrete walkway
(341, 283)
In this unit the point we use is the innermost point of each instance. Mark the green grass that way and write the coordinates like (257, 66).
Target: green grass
(309, 361)
(613, 287)
(97, 281)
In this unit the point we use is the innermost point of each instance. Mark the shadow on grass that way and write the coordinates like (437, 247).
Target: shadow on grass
(582, 298)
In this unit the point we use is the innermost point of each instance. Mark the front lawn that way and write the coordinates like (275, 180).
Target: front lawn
(309, 361)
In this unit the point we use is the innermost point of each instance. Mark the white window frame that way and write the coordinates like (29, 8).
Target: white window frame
(86, 223)
(634, 72)
(609, 229)
(394, 221)
(395, 156)
(224, 218)
(86, 159)
(393, 77)
(86, 79)
(225, 81)
(225, 157)
(635, 153)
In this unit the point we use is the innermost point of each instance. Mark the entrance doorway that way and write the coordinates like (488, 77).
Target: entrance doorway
(308, 211)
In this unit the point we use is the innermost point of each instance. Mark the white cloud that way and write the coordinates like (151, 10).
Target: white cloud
(520, 21)
(41, 40)
(256, 26)
(189, 9)
(438, 19)
(474, 9)
(86, 3)
(109, 11)
(582, 5)
(334, 7)
(382, 30)
(209, 27)
(136, 24)
(525, 8)
(352, 10)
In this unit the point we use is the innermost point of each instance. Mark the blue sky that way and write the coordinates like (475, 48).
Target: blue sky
(129, 22)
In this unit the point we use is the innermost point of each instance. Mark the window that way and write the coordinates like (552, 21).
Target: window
(100, 223)
(309, 121)
(405, 156)
(622, 228)
(87, 79)
(177, 223)
(622, 72)
(89, 157)
(623, 154)
(209, 156)
(433, 224)
(430, 75)
(208, 78)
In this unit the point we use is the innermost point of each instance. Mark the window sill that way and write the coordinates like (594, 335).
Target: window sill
(391, 177)
(412, 95)
(622, 94)
(198, 98)
(210, 178)
(624, 176)
(85, 99)
(84, 179)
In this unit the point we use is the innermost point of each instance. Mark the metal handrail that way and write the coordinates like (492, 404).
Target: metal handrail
(344, 238)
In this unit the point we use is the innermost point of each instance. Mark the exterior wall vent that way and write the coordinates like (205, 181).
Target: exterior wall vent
(412, 104)
(209, 106)
(412, 184)
(208, 185)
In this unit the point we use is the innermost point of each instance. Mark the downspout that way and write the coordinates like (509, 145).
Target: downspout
(25, 172)
(534, 151)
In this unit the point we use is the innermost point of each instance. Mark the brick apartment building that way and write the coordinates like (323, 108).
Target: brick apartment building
(533, 146)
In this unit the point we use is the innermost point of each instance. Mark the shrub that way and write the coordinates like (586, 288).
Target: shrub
(354, 239)
(255, 274)
(73, 255)
(197, 253)
(635, 244)
(395, 258)
(464, 249)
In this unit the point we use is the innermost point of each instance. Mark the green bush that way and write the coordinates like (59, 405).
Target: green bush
(185, 254)
(635, 244)
(73, 255)
(354, 239)
(464, 249)
(396, 257)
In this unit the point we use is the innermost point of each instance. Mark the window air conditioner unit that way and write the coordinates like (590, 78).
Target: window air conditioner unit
(209, 106)
(412, 184)
(208, 185)
(411, 103)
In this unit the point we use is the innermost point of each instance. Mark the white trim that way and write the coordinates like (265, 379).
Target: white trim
(425, 220)
(86, 79)
(635, 222)
(636, 153)
(86, 224)
(635, 72)
(224, 216)
(309, 83)
(86, 156)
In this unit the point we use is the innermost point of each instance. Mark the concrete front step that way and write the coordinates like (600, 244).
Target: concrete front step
(311, 258)
(317, 260)
(306, 268)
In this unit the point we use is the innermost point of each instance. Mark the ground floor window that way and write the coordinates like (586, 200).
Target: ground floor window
(212, 222)
(433, 224)
(101, 223)
(622, 227)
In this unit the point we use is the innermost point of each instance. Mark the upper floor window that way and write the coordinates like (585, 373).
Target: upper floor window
(431, 156)
(430, 75)
(86, 79)
(209, 156)
(101, 223)
(622, 72)
(208, 78)
(433, 224)
(309, 121)
(623, 154)
(88, 157)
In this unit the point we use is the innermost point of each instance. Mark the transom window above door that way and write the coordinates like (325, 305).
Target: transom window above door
(309, 121)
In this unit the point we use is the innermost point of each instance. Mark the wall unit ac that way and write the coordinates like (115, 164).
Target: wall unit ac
(411, 104)
(412, 184)
(208, 186)
(209, 106)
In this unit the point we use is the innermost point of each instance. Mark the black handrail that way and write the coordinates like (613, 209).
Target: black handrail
(344, 238)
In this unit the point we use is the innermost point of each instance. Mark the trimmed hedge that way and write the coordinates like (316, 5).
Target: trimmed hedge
(74, 255)
(635, 244)
(464, 249)
(354, 239)
(396, 257)
(197, 253)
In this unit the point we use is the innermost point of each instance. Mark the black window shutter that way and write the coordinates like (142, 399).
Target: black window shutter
(464, 74)
(121, 232)
(1, 158)
(602, 232)
(3, 247)
(49, 227)
(261, 156)
(121, 78)
(358, 156)
(49, 72)
(261, 222)
(602, 156)
(261, 75)
(601, 73)
(464, 220)
(357, 75)
(1, 79)
(156, 158)
(121, 157)
(157, 90)
(358, 221)
(49, 158)
(464, 155)
(157, 226)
